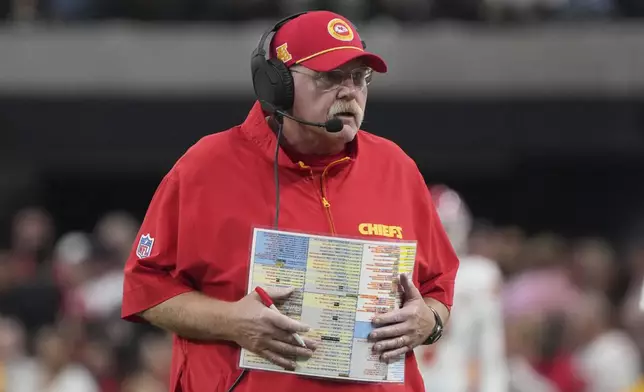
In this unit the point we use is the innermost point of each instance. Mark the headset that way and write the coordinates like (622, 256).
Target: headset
(272, 80)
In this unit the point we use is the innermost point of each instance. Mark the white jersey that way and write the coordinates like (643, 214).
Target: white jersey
(470, 357)
(610, 363)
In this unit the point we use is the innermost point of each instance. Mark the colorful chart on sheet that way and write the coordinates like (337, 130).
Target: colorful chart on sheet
(340, 285)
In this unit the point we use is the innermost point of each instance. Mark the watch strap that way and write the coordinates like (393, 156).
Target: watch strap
(437, 332)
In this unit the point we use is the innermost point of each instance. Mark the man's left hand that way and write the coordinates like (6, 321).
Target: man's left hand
(400, 330)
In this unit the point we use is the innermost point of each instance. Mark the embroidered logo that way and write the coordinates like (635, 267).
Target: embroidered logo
(382, 230)
(340, 30)
(144, 249)
(282, 52)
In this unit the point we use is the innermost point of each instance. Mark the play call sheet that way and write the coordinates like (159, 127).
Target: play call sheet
(340, 284)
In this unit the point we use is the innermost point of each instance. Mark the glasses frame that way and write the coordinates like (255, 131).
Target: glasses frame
(319, 77)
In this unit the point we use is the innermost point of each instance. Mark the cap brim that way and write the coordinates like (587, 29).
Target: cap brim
(335, 59)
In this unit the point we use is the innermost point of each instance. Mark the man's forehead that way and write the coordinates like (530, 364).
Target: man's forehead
(348, 66)
(353, 64)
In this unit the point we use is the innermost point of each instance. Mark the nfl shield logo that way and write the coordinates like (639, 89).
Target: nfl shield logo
(145, 246)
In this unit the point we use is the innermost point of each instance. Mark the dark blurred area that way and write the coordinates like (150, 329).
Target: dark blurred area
(408, 11)
(554, 180)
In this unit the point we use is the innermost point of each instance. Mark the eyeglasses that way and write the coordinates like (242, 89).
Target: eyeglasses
(332, 80)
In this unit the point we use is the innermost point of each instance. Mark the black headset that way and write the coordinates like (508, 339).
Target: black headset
(272, 80)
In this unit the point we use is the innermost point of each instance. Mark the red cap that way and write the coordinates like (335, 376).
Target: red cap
(321, 41)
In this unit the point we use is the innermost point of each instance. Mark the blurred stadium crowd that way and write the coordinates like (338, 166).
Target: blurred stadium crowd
(60, 300)
(357, 10)
(571, 309)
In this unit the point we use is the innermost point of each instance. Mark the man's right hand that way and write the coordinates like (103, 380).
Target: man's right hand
(268, 333)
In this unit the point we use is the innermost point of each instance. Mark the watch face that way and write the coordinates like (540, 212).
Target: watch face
(437, 334)
(432, 339)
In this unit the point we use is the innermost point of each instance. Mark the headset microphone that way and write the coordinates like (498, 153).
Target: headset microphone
(334, 125)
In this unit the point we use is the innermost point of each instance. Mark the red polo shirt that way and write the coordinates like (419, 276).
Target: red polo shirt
(201, 218)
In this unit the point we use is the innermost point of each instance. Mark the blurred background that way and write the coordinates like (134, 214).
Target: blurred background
(531, 110)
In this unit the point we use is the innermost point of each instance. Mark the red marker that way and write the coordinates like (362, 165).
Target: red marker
(268, 301)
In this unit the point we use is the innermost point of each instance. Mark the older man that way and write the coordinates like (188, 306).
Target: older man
(301, 163)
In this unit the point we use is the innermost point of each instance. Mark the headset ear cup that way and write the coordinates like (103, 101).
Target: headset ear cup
(268, 85)
(284, 91)
(272, 81)
(258, 74)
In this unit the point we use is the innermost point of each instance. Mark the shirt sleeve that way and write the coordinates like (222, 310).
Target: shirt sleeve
(437, 262)
(151, 273)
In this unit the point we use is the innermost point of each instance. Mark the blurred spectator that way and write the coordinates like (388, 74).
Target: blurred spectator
(101, 293)
(32, 237)
(6, 275)
(594, 265)
(632, 312)
(539, 301)
(155, 354)
(114, 234)
(511, 242)
(555, 360)
(99, 357)
(522, 339)
(53, 369)
(544, 285)
(607, 357)
(471, 354)
(27, 291)
(70, 270)
(540, 358)
(12, 340)
(13, 354)
(34, 301)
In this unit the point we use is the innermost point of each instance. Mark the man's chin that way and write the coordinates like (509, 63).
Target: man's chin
(347, 133)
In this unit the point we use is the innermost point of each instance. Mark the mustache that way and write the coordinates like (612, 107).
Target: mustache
(345, 106)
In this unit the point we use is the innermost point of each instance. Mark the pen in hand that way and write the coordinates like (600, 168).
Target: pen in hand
(268, 302)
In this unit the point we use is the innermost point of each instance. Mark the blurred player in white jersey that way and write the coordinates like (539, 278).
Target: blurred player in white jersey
(471, 355)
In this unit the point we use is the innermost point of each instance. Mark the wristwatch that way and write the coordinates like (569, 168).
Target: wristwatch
(437, 332)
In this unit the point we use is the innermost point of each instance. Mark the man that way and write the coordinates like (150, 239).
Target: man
(188, 272)
(471, 355)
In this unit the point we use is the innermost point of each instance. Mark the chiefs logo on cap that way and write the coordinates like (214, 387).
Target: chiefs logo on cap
(340, 30)
(282, 52)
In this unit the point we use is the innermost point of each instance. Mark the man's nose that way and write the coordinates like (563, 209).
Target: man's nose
(347, 90)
